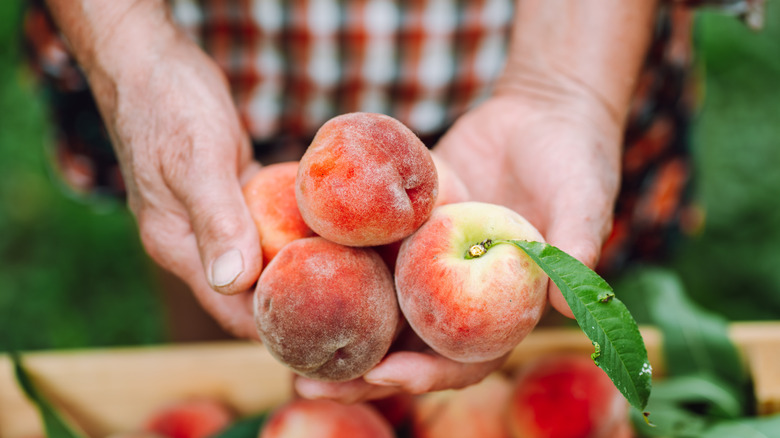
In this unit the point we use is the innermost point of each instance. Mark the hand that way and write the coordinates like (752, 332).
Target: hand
(184, 156)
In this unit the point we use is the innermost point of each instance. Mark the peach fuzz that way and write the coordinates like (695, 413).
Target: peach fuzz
(325, 310)
(270, 196)
(302, 418)
(566, 396)
(475, 411)
(470, 309)
(365, 180)
(196, 418)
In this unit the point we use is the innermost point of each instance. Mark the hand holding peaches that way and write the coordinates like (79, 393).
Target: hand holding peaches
(328, 306)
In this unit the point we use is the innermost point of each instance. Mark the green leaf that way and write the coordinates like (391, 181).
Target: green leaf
(244, 428)
(620, 349)
(695, 341)
(54, 424)
(668, 421)
(719, 398)
(762, 427)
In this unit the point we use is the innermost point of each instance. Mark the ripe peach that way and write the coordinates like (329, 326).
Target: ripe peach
(470, 310)
(326, 310)
(303, 418)
(270, 196)
(475, 411)
(365, 180)
(566, 396)
(197, 418)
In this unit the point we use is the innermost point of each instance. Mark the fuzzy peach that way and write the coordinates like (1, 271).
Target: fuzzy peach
(196, 418)
(475, 411)
(326, 310)
(365, 180)
(303, 418)
(270, 196)
(566, 396)
(470, 309)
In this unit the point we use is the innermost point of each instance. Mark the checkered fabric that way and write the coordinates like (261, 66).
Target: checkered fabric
(293, 64)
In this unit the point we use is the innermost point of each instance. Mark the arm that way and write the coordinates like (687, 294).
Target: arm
(181, 148)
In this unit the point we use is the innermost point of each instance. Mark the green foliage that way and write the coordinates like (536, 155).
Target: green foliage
(731, 267)
(707, 392)
(72, 271)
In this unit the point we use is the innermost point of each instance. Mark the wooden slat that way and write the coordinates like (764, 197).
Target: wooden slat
(117, 389)
(112, 390)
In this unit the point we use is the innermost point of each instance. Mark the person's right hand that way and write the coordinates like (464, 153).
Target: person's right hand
(184, 156)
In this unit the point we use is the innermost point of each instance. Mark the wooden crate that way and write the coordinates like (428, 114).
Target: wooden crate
(116, 389)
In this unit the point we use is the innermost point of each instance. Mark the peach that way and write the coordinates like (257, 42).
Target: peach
(475, 411)
(326, 310)
(303, 418)
(566, 396)
(470, 309)
(365, 180)
(270, 196)
(196, 418)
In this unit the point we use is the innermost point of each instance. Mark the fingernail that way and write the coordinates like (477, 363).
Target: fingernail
(226, 268)
(378, 380)
(383, 382)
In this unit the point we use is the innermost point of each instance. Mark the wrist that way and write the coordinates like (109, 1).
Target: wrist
(584, 54)
(108, 39)
(560, 99)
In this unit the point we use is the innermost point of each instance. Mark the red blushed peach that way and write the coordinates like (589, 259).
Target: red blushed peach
(566, 396)
(270, 196)
(475, 411)
(199, 418)
(303, 418)
(470, 309)
(326, 310)
(366, 180)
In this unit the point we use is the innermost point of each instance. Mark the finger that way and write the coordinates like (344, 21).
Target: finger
(227, 238)
(580, 231)
(419, 373)
(353, 391)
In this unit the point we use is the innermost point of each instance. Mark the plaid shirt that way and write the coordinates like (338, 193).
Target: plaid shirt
(293, 64)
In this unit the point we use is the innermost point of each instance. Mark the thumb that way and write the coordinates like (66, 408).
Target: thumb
(582, 239)
(226, 235)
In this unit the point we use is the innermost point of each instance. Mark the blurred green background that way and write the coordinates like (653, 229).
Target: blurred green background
(73, 273)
